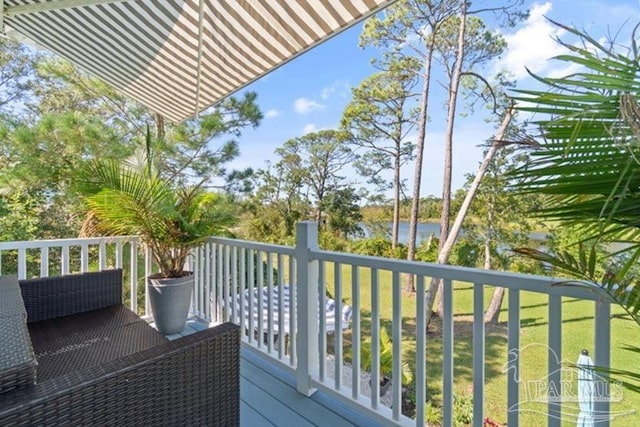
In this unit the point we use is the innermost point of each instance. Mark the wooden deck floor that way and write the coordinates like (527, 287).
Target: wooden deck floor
(269, 396)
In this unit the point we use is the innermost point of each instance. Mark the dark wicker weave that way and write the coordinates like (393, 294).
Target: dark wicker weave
(17, 359)
(108, 367)
(51, 297)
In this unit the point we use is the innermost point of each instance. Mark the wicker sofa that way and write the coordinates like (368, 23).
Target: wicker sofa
(98, 363)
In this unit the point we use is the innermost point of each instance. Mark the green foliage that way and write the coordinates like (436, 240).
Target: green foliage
(462, 409)
(343, 212)
(378, 246)
(123, 200)
(428, 250)
(386, 358)
(499, 215)
(380, 116)
(587, 165)
(466, 252)
(433, 414)
(16, 75)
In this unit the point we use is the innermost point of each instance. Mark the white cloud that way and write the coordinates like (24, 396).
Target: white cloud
(339, 86)
(272, 113)
(532, 45)
(306, 105)
(311, 127)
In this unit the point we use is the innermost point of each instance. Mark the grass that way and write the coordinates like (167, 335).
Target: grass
(577, 333)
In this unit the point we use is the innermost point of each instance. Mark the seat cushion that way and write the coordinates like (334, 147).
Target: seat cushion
(86, 339)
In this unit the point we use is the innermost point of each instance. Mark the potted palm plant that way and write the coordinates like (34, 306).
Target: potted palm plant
(170, 219)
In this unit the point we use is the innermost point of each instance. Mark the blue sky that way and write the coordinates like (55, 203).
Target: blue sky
(310, 92)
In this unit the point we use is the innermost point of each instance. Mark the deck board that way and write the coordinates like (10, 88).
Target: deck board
(268, 396)
(277, 386)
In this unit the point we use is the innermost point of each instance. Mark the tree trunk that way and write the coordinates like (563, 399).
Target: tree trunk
(493, 311)
(417, 174)
(396, 203)
(454, 85)
(443, 254)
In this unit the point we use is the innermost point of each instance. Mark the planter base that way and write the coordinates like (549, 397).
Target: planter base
(170, 300)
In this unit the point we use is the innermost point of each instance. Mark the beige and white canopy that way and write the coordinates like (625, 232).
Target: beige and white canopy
(178, 57)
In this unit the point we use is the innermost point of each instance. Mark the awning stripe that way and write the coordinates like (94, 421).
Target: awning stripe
(115, 78)
(148, 49)
(118, 58)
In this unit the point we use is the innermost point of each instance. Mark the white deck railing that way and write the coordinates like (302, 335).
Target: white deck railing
(44, 258)
(224, 268)
(311, 269)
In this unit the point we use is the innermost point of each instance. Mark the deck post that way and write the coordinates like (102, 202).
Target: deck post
(307, 306)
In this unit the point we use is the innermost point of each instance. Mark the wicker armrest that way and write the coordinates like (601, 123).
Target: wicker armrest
(194, 380)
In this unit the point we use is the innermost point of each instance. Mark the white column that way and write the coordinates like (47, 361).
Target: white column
(307, 306)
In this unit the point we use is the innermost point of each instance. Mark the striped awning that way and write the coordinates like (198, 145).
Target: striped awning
(180, 57)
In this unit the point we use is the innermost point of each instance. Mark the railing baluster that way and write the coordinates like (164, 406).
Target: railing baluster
(207, 283)
(322, 320)
(234, 283)
(270, 310)
(355, 330)
(84, 258)
(337, 296)
(148, 271)
(194, 266)
(513, 362)
(119, 254)
(44, 261)
(225, 281)
(602, 358)
(64, 267)
(260, 299)
(447, 354)
(421, 350)
(219, 283)
(102, 255)
(554, 376)
(282, 338)
(293, 301)
(375, 339)
(396, 336)
(478, 355)
(239, 301)
(133, 276)
(252, 286)
(22, 263)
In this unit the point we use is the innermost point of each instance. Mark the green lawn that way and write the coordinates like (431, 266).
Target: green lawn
(577, 333)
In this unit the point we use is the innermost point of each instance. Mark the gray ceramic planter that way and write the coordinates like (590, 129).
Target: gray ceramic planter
(170, 300)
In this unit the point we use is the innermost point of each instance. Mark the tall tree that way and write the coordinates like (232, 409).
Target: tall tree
(16, 76)
(499, 221)
(463, 44)
(343, 212)
(408, 27)
(318, 158)
(380, 117)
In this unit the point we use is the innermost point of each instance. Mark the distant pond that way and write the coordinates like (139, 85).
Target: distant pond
(425, 229)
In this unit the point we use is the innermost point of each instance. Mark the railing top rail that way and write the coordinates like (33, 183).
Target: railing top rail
(525, 282)
(52, 243)
(266, 247)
